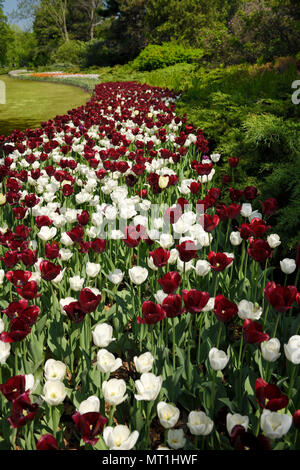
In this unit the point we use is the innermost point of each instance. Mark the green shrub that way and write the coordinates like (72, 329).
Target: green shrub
(71, 52)
(156, 57)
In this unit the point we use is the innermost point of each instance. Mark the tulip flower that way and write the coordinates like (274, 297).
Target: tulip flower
(281, 298)
(120, 437)
(187, 251)
(151, 313)
(253, 332)
(199, 423)
(170, 282)
(23, 411)
(47, 442)
(224, 309)
(91, 404)
(54, 370)
(292, 349)
(144, 362)
(219, 261)
(236, 420)
(275, 425)
(168, 415)
(89, 426)
(176, 439)
(102, 335)
(148, 387)
(269, 396)
(194, 300)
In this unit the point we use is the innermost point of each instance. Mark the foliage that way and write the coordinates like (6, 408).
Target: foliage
(156, 57)
(70, 52)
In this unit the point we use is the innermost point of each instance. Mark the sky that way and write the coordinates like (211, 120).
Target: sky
(8, 7)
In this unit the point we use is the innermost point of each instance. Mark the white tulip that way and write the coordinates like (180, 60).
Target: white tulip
(148, 386)
(202, 267)
(66, 240)
(275, 425)
(138, 275)
(273, 240)
(65, 254)
(144, 362)
(199, 423)
(235, 238)
(173, 256)
(2, 326)
(106, 361)
(210, 305)
(176, 439)
(288, 265)
(116, 276)
(4, 351)
(215, 157)
(76, 283)
(30, 383)
(166, 241)
(92, 269)
(119, 437)
(2, 275)
(91, 404)
(168, 415)
(102, 335)
(160, 296)
(270, 349)
(54, 392)
(236, 419)
(218, 359)
(114, 391)
(292, 349)
(54, 370)
(47, 233)
(247, 309)
(246, 209)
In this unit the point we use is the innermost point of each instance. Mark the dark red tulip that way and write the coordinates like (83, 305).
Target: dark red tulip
(195, 300)
(269, 396)
(98, 245)
(19, 328)
(296, 419)
(49, 271)
(13, 387)
(250, 193)
(219, 261)
(245, 231)
(210, 222)
(259, 250)
(172, 305)
(76, 234)
(89, 426)
(28, 290)
(253, 332)
(88, 300)
(151, 313)
(244, 440)
(29, 257)
(43, 220)
(281, 298)
(258, 227)
(47, 442)
(187, 251)
(172, 214)
(235, 194)
(83, 218)
(269, 206)
(15, 309)
(170, 282)
(23, 411)
(233, 162)
(52, 250)
(224, 309)
(160, 257)
(75, 312)
(19, 277)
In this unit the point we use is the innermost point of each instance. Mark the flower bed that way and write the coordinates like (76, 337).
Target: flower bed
(138, 307)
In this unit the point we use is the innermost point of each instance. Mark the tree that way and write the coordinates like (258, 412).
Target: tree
(5, 38)
(91, 7)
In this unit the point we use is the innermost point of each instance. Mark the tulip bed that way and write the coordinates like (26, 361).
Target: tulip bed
(139, 308)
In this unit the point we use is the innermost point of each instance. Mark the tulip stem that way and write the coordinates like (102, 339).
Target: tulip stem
(292, 379)
(111, 414)
(276, 324)
(174, 345)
